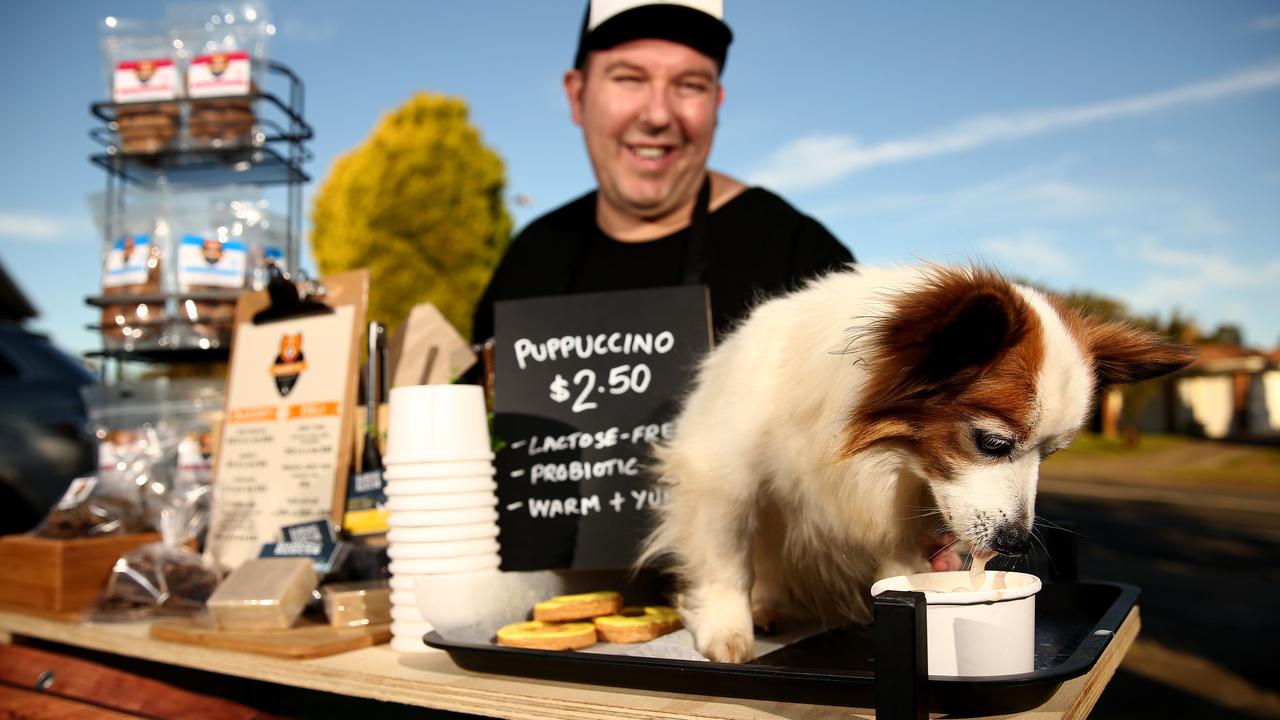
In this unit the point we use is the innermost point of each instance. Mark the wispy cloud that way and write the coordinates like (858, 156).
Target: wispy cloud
(818, 160)
(19, 226)
(1265, 23)
(1029, 251)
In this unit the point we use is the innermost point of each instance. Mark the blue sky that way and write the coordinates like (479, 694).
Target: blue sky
(1128, 148)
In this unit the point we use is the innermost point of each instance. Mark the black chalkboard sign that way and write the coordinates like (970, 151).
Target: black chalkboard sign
(583, 384)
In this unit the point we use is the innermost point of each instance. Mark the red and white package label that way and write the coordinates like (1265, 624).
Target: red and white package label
(219, 75)
(145, 81)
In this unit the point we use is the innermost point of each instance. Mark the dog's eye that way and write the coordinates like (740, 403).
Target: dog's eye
(993, 445)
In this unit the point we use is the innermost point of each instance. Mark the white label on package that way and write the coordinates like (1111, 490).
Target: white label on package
(219, 75)
(145, 81)
(210, 262)
(77, 492)
(127, 261)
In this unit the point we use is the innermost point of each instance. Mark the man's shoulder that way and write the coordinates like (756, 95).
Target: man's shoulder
(759, 202)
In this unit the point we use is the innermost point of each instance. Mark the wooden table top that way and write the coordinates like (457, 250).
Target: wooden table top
(432, 680)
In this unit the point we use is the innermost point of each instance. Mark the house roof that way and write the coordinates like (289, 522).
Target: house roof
(14, 306)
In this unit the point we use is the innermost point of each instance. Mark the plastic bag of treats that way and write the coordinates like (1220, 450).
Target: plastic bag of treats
(141, 428)
(223, 46)
(134, 257)
(143, 81)
(162, 579)
(95, 506)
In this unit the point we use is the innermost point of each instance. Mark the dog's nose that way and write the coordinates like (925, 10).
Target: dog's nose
(1013, 541)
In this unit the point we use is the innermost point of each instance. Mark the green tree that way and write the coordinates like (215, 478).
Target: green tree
(419, 203)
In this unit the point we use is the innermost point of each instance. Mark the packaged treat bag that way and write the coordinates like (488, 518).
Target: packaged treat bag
(95, 506)
(212, 253)
(133, 259)
(142, 429)
(143, 80)
(223, 46)
(162, 579)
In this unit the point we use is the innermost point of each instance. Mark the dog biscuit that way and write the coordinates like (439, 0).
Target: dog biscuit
(537, 635)
(637, 624)
(584, 606)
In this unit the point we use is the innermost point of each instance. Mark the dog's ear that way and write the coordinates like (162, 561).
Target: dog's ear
(961, 319)
(1124, 354)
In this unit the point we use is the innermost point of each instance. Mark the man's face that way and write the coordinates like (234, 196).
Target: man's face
(647, 109)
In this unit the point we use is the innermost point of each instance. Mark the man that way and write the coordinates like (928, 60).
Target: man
(645, 89)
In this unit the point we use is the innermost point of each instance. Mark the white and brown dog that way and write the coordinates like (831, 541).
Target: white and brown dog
(841, 429)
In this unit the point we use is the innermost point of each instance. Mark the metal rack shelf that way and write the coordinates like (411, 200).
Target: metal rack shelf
(273, 154)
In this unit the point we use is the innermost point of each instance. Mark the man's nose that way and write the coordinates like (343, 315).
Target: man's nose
(657, 108)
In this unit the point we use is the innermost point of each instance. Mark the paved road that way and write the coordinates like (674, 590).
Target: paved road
(1208, 563)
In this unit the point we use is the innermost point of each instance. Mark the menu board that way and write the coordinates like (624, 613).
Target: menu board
(287, 430)
(584, 384)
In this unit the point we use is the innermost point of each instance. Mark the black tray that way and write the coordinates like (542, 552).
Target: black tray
(1074, 624)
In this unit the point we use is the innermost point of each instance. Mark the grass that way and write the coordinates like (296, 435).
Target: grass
(1089, 445)
(1170, 459)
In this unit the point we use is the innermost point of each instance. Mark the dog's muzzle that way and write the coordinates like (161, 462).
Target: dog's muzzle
(1012, 541)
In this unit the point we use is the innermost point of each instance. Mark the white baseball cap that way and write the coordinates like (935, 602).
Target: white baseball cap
(696, 23)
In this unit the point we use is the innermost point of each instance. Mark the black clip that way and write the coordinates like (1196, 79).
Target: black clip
(287, 301)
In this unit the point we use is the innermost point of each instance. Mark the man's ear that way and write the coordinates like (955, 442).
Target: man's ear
(1125, 354)
(574, 82)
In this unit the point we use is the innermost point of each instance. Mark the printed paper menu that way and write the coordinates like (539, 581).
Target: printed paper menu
(281, 442)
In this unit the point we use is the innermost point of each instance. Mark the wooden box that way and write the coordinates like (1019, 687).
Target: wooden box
(59, 576)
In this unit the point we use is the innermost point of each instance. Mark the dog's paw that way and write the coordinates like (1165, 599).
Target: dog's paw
(765, 619)
(728, 646)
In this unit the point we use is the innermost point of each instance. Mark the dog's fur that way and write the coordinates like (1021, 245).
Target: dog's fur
(839, 427)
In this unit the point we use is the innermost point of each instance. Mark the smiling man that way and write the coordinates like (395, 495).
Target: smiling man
(645, 89)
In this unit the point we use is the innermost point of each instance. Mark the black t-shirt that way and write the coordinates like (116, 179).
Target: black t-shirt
(757, 246)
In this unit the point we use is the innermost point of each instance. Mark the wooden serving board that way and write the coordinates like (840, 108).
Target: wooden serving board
(307, 639)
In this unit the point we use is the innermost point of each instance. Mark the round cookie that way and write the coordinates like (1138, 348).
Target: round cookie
(637, 625)
(538, 635)
(583, 606)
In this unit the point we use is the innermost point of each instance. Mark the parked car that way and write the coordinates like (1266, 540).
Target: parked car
(44, 439)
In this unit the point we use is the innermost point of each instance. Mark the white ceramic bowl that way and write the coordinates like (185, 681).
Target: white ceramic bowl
(447, 549)
(441, 518)
(444, 501)
(975, 633)
(446, 533)
(440, 566)
(429, 423)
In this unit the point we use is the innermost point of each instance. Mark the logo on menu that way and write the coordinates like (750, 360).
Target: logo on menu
(211, 250)
(289, 363)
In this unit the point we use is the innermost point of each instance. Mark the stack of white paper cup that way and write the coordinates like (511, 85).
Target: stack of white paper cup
(441, 496)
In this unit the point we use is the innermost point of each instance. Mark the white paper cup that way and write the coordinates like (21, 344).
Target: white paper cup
(402, 598)
(441, 518)
(440, 566)
(431, 551)
(411, 645)
(406, 613)
(440, 486)
(443, 501)
(411, 628)
(446, 533)
(424, 471)
(404, 583)
(976, 633)
(428, 423)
